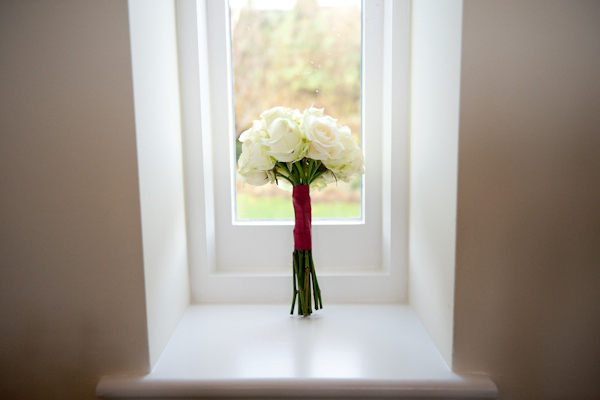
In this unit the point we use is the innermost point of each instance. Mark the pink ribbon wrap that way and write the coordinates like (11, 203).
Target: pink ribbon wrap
(303, 218)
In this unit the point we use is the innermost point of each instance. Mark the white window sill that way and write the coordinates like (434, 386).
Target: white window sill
(260, 351)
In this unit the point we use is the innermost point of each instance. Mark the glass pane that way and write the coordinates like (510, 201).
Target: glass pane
(297, 54)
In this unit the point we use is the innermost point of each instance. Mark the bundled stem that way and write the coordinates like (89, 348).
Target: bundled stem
(306, 287)
(304, 275)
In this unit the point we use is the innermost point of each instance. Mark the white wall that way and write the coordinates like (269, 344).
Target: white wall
(72, 303)
(435, 77)
(527, 307)
(159, 144)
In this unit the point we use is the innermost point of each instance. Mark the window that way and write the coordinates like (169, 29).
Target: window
(246, 260)
(296, 54)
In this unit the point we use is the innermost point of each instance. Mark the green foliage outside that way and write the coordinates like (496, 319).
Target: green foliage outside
(307, 56)
(252, 207)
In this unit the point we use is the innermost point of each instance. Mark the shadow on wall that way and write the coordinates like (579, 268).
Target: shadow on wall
(528, 253)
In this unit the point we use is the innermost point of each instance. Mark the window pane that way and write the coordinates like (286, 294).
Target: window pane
(297, 54)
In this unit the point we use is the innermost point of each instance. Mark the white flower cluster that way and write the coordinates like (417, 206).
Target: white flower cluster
(283, 135)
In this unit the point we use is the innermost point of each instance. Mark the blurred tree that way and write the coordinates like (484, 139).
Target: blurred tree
(308, 56)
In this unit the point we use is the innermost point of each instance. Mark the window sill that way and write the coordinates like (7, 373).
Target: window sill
(260, 351)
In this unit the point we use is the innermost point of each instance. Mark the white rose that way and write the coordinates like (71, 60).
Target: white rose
(322, 181)
(285, 141)
(297, 116)
(254, 156)
(350, 161)
(346, 138)
(276, 112)
(317, 112)
(256, 178)
(323, 137)
(259, 128)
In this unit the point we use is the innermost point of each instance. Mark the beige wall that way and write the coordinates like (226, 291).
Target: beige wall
(434, 106)
(527, 305)
(71, 273)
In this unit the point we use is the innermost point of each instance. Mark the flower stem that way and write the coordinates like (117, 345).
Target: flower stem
(318, 174)
(300, 171)
(291, 177)
(284, 177)
(311, 165)
(294, 268)
(315, 173)
(304, 277)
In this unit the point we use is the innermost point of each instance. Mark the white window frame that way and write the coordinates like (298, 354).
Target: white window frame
(352, 249)
(230, 268)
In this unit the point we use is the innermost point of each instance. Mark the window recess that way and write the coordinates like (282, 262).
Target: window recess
(242, 260)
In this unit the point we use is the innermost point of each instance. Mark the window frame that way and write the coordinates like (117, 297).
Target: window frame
(212, 281)
(374, 198)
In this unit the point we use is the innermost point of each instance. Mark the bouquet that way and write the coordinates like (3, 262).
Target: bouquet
(305, 150)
